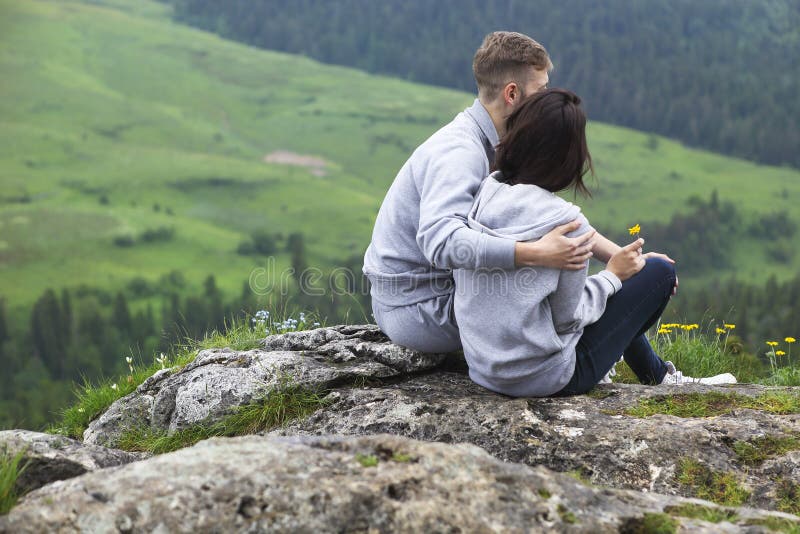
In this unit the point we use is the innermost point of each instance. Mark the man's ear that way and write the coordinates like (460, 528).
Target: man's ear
(511, 94)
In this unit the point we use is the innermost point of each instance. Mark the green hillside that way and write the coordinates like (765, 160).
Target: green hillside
(109, 109)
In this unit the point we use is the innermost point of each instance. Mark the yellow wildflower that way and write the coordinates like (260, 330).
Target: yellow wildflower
(694, 326)
(790, 340)
(665, 331)
(772, 343)
(633, 230)
(730, 326)
(780, 353)
(720, 330)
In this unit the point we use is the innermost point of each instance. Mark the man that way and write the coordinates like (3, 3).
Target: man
(421, 234)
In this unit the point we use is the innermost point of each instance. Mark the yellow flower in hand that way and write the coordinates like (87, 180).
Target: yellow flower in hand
(634, 230)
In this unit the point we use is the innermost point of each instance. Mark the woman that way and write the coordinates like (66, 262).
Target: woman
(539, 331)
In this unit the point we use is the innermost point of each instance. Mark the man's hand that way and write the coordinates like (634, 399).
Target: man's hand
(665, 258)
(557, 251)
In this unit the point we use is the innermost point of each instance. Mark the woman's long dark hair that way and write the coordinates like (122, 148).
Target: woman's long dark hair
(545, 143)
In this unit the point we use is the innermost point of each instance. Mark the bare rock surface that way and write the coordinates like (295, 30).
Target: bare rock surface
(50, 457)
(376, 483)
(219, 380)
(584, 434)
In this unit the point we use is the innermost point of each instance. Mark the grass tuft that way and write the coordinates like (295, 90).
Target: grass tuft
(401, 457)
(715, 403)
(367, 460)
(758, 450)
(705, 354)
(788, 493)
(566, 515)
(10, 470)
(704, 513)
(580, 475)
(715, 486)
(776, 524)
(278, 407)
(93, 399)
(649, 523)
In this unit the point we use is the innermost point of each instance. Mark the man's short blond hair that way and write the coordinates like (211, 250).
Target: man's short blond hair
(506, 57)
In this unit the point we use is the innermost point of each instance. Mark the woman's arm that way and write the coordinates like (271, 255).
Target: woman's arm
(604, 248)
(579, 301)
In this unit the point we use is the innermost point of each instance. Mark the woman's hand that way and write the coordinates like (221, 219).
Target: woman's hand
(628, 261)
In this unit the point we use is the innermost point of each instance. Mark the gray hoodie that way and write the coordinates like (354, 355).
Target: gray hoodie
(420, 232)
(519, 327)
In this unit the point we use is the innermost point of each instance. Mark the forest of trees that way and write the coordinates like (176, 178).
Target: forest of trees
(84, 333)
(717, 74)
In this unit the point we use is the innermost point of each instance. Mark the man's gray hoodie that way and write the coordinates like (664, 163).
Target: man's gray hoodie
(519, 327)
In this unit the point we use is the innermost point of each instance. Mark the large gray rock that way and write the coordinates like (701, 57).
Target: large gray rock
(49, 457)
(221, 379)
(584, 434)
(361, 484)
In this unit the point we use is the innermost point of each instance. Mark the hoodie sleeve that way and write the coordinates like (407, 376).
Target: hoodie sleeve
(578, 300)
(447, 193)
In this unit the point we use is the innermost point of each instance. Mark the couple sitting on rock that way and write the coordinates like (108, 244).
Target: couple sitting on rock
(473, 250)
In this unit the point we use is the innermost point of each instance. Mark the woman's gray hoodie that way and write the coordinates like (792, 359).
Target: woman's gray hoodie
(519, 327)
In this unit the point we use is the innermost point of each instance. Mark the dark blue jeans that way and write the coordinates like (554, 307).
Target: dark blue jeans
(621, 330)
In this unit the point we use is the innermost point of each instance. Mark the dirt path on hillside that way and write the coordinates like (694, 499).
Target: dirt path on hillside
(317, 166)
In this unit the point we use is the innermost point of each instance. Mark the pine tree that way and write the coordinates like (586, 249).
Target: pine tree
(297, 248)
(66, 316)
(47, 333)
(121, 316)
(4, 335)
(216, 312)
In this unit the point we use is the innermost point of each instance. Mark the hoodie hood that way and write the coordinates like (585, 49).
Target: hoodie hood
(521, 212)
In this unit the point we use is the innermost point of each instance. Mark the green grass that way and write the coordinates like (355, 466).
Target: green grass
(566, 515)
(704, 513)
(649, 523)
(715, 403)
(715, 486)
(113, 98)
(92, 399)
(756, 451)
(706, 354)
(785, 376)
(367, 460)
(279, 406)
(776, 524)
(788, 493)
(11, 467)
(701, 352)
(401, 457)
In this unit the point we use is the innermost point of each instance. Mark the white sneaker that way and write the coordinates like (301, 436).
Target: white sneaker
(675, 377)
(611, 372)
